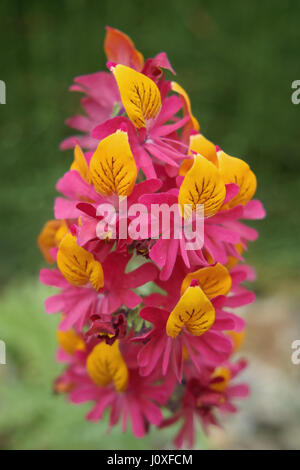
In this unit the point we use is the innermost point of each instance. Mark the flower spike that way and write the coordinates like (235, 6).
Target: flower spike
(154, 207)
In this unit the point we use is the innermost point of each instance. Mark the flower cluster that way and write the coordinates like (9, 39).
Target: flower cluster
(147, 325)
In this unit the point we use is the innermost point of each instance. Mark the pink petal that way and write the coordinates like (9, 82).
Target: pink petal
(254, 210)
(65, 209)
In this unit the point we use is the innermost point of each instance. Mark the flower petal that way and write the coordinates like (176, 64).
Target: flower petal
(70, 341)
(119, 48)
(105, 365)
(202, 185)
(77, 265)
(50, 236)
(213, 280)
(80, 164)
(221, 378)
(140, 95)
(194, 311)
(200, 144)
(187, 104)
(112, 167)
(235, 170)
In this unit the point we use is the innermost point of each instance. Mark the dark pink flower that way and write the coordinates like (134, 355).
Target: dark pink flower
(204, 394)
(140, 402)
(161, 351)
(78, 304)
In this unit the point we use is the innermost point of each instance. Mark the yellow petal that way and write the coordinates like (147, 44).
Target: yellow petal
(80, 164)
(77, 265)
(194, 311)
(105, 365)
(185, 166)
(224, 373)
(139, 94)
(235, 170)
(238, 338)
(187, 102)
(200, 144)
(202, 185)
(213, 280)
(70, 341)
(112, 167)
(50, 237)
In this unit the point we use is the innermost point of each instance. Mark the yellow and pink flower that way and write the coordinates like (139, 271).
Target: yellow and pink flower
(147, 318)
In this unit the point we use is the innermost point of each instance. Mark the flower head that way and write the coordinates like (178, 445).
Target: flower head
(148, 243)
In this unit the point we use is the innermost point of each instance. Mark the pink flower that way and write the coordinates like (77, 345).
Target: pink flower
(107, 329)
(161, 351)
(139, 402)
(78, 304)
(217, 238)
(102, 100)
(203, 395)
(87, 230)
(76, 190)
(118, 285)
(222, 232)
(159, 144)
(212, 346)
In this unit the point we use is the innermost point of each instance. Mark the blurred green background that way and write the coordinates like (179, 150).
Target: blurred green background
(236, 59)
